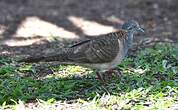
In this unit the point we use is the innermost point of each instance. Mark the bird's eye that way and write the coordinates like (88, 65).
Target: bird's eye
(135, 26)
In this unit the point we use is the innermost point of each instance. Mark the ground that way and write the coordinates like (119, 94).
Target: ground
(42, 27)
(32, 22)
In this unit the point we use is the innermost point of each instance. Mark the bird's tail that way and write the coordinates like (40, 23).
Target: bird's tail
(32, 59)
(57, 57)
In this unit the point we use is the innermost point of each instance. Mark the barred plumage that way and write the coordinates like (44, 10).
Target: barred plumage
(102, 53)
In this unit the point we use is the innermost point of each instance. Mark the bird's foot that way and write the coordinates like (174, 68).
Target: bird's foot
(113, 72)
(108, 75)
(117, 72)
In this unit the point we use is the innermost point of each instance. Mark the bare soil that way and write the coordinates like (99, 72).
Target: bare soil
(158, 17)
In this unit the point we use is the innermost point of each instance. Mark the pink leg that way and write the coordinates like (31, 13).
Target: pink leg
(99, 77)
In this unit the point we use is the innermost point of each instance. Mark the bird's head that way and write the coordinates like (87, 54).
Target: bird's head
(132, 27)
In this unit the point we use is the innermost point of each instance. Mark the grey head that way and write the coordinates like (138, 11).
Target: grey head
(131, 27)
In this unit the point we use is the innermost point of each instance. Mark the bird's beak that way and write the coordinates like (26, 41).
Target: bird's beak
(140, 29)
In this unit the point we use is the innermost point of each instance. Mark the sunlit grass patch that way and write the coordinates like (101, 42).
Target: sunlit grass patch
(70, 71)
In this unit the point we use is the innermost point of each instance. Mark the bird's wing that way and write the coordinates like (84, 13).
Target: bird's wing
(80, 43)
(100, 50)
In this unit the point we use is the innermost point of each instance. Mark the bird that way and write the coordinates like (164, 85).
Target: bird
(102, 53)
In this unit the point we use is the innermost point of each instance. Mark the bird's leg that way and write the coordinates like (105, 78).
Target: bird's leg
(99, 77)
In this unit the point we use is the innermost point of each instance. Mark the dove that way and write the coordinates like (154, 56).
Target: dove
(102, 53)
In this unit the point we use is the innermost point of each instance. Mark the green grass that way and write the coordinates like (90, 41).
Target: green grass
(149, 81)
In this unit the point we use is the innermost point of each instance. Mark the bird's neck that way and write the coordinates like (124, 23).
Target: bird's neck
(130, 39)
(127, 42)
